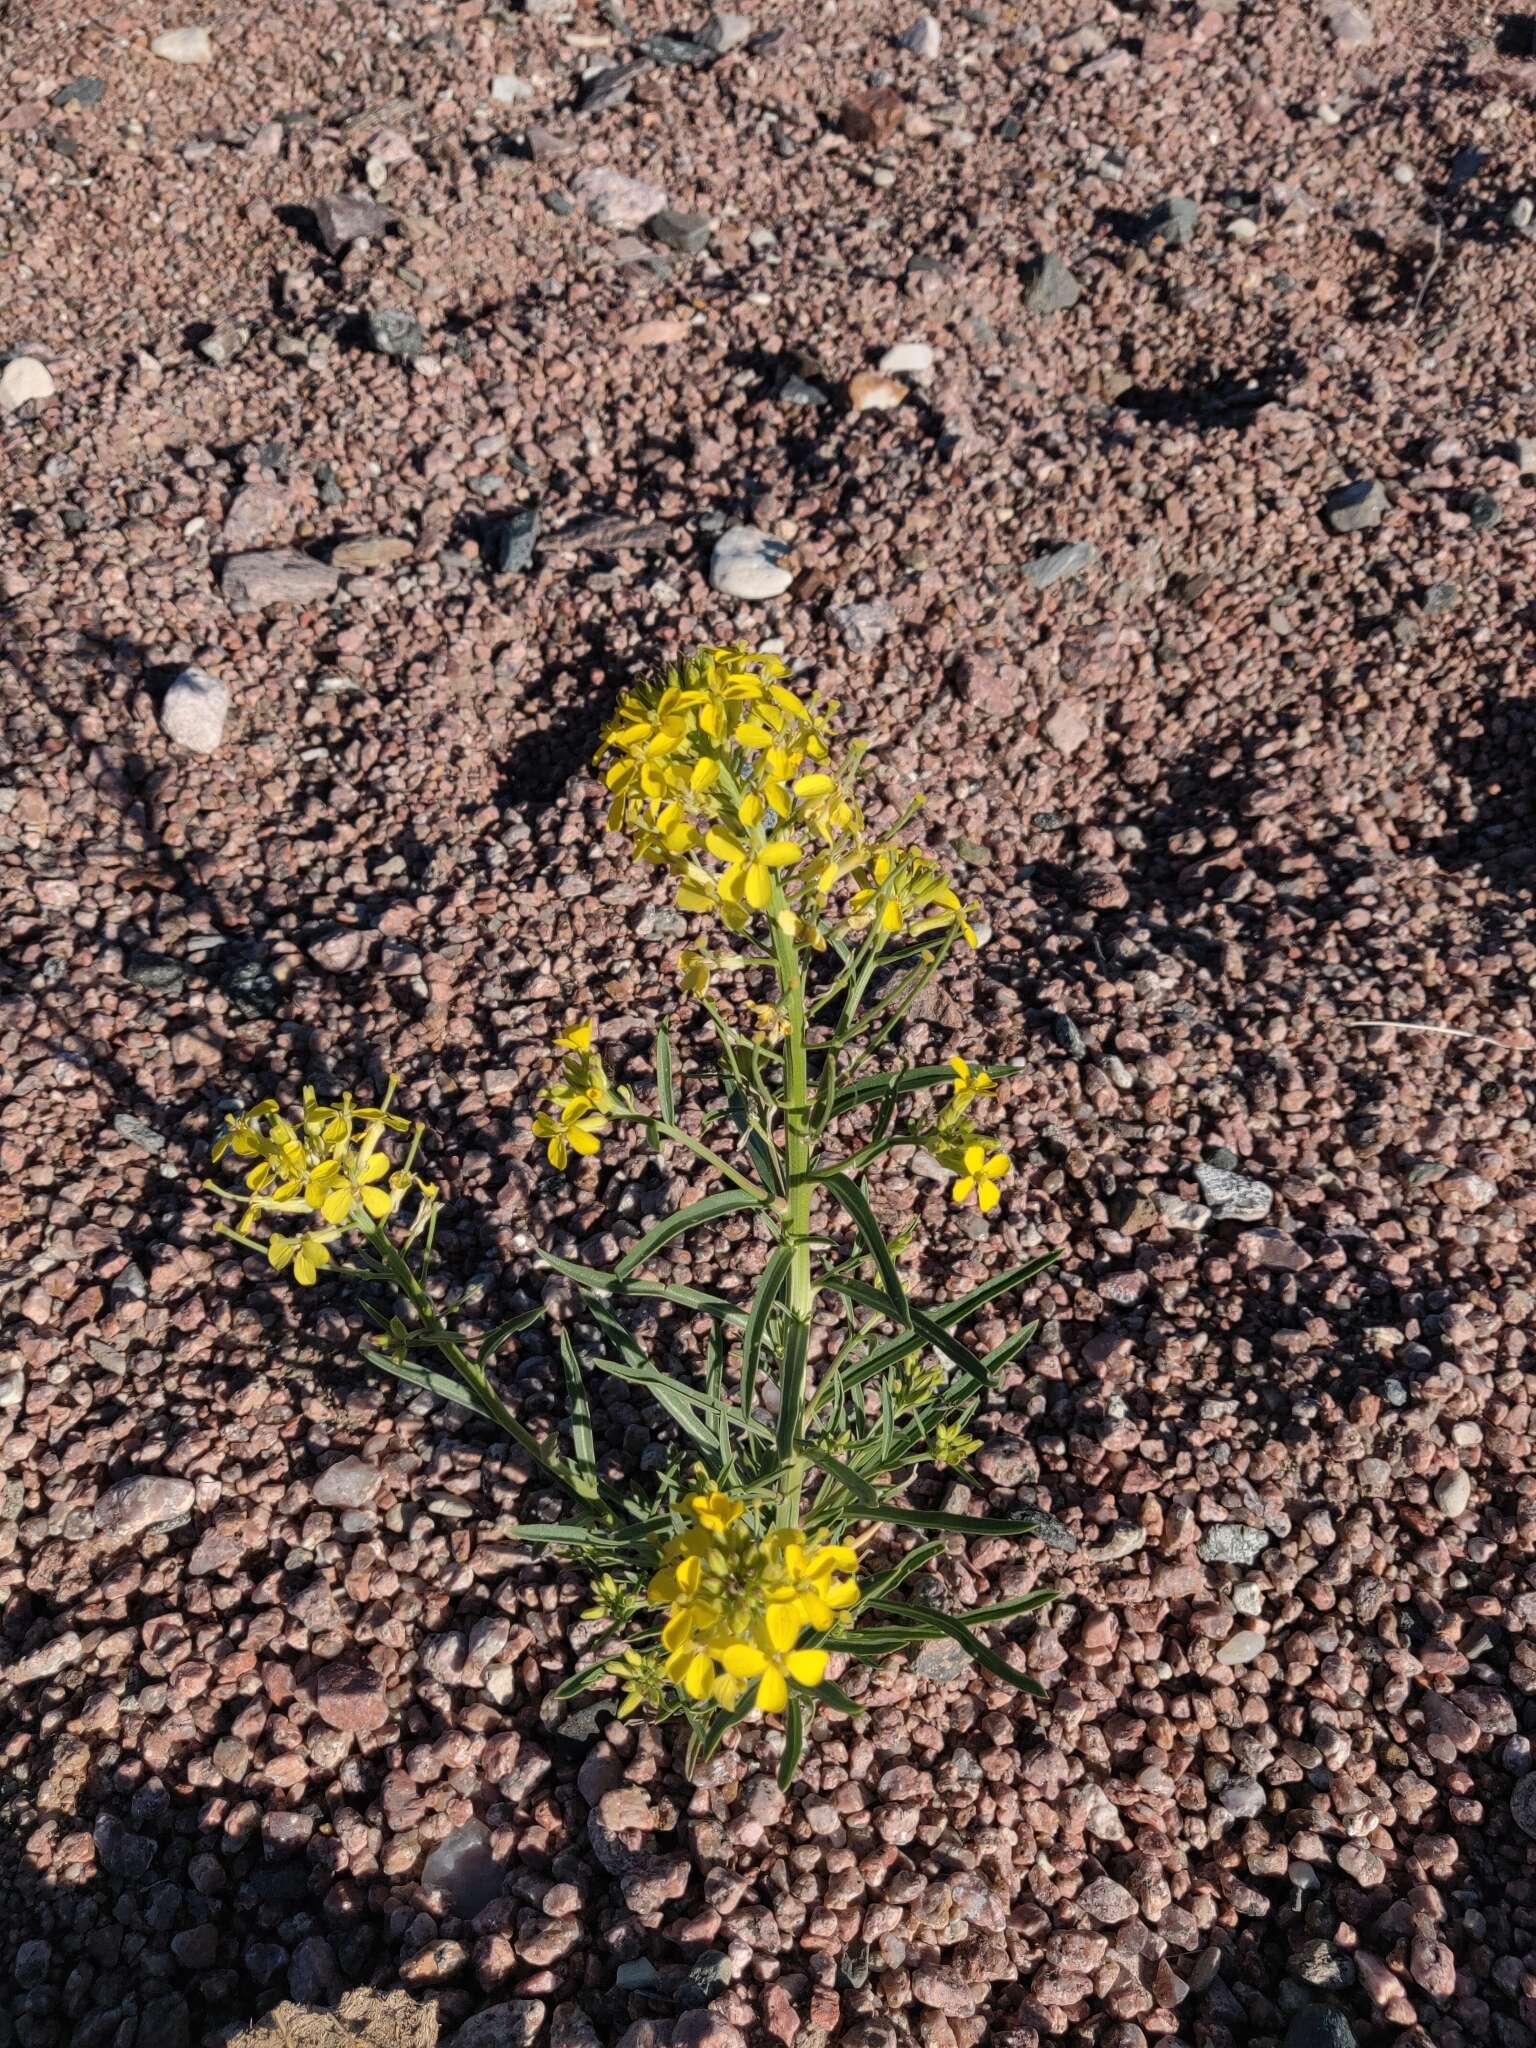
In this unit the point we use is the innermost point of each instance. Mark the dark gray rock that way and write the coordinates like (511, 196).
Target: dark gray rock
(510, 543)
(1319, 2026)
(1355, 507)
(1172, 222)
(687, 233)
(1049, 287)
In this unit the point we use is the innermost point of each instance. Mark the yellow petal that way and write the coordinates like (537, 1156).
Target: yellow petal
(772, 1692)
(699, 1677)
(377, 1203)
(997, 1166)
(742, 1660)
(962, 1188)
(806, 1667)
(987, 1196)
(337, 1206)
(782, 1623)
(759, 888)
(581, 1140)
(780, 853)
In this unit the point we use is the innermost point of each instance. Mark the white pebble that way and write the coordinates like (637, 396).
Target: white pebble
(907, 359)
(195, 708)
(749, 564)
(1453, 1490)
(183, 46)
(24, 381)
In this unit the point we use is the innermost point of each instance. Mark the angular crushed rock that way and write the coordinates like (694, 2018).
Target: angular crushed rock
(1224, 799)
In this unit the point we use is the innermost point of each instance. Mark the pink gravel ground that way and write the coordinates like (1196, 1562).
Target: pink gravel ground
(1233, 790)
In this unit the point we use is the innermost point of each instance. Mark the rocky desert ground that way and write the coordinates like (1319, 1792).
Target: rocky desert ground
(1129, 413)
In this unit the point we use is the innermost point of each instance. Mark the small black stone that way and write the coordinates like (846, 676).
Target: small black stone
(510, 542)
(153, 971)
(80, 92)
(1484, 511)
(251, 989)
(1067, 1035)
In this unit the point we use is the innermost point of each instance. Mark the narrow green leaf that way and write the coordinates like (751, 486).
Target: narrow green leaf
(872, 1237)
(710, 1739)
(514, 1326)
(591, 1281)
(920, 1329)
(665, 1093)
(725, 1202)
(950, 1313)
(583, 1444)
(1010, 1610)
(769, 1288)
(794, 1742)
(904, 1567)
(423, 1377)
(935, 1518)
(1005, 1353)
(570, 1535)
(825, 1098)
(797, 1341)
(690, 1410)
(845, 1476)
(580, 1681)
(834, 1697)
(957, 1631)
(909, 1081)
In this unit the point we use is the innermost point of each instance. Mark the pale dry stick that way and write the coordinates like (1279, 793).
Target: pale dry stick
(1443, 1030)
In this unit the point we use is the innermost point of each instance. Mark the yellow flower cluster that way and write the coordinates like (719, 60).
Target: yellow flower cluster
(327, 1165)
(739, 1604)
(580, 1103)
(724, 776)
(958, 1145)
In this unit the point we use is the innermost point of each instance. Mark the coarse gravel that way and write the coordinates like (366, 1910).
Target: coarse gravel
(343, 369)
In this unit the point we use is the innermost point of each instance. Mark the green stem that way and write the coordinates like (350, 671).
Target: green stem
(800, 1293)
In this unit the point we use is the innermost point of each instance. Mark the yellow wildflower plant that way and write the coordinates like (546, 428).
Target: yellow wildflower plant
(801, 1405)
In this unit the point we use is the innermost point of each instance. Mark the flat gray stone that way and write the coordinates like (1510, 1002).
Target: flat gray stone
(276, 576)
(1355, 507)
(1172, 222)
(342, 220)
(1233, 1543)
(1049, 287)
(686, 233)
(1233, 1197)
(391, 331)
(1060, 564)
